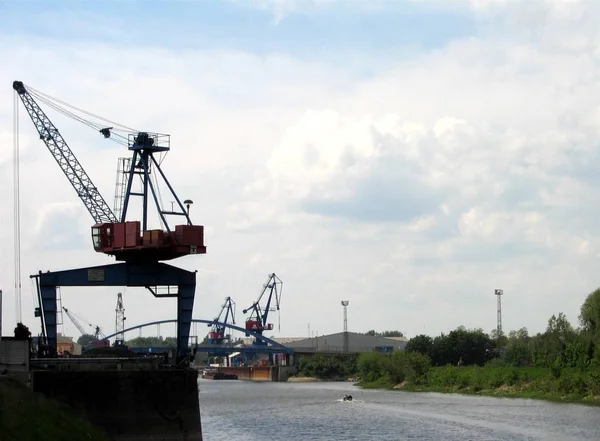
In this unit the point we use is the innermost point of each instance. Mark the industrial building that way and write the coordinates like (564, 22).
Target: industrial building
(356, 342)
(66, 346)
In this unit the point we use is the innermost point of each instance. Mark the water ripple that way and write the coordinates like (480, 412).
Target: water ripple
(240, 411)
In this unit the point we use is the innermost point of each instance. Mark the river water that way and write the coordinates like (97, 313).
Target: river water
(241, 410)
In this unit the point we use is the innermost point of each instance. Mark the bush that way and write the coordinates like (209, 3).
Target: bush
(339, 367)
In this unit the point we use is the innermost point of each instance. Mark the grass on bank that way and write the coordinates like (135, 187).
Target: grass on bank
(568, 385)
(412, 371)
(27, 416)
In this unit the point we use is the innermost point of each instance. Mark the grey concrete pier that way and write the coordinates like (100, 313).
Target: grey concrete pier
(130, 401)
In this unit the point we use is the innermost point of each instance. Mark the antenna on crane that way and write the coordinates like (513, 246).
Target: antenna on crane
(499, 293)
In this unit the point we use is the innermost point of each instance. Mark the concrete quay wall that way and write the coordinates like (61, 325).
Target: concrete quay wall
(132, 405)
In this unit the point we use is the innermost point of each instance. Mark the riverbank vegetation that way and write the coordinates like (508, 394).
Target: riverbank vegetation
(27, 416)
(337, 368)
(561, 363)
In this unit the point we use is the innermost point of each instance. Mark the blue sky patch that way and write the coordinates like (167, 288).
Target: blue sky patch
(338, 30)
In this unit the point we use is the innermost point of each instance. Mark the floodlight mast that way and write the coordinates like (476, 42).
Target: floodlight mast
(345, 304)
(499, 293)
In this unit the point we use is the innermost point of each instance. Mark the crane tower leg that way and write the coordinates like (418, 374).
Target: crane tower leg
(185, 309)
(152, 276)
(48, 296)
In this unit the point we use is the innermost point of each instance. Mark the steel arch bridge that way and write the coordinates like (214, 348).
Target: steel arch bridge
(274, 348)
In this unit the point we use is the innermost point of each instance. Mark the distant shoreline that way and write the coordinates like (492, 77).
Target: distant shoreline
(504, 391)
(303, 379)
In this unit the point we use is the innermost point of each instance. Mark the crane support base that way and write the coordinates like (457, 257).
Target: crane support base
(152, 276)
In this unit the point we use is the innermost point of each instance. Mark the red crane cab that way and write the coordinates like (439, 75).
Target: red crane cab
(256, 326)
(126, 242)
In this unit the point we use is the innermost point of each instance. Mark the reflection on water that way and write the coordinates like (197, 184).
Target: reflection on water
(240, 411)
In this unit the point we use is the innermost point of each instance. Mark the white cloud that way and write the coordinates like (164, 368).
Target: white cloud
(413, 193)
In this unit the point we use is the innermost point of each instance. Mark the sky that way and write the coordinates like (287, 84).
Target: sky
(409, 156)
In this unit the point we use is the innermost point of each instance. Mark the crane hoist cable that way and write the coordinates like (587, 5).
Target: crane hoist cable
(61, 107)
(115, 137)
(45, 96)
(117, 132)
(17, 209)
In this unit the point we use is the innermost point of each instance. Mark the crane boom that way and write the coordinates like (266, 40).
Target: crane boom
(81, 182)
(75, 321)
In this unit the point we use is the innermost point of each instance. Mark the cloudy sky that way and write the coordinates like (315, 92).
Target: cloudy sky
(407, 156)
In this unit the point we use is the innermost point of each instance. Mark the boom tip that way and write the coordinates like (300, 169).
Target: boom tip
(18, 86)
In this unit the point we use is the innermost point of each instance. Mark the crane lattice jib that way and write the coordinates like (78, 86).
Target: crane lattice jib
(81, 182)
(75, 321)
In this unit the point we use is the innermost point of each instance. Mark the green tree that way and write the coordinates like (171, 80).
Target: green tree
(85, 339)
(590, 321)
(517, 351)
(423, 344)
(589, 316)
(151, 341)
(374, 333)
(499, 339)
(371, 366)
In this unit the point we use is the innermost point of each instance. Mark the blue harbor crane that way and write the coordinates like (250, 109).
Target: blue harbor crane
(138, 249)
(258, 319)
(216, 336)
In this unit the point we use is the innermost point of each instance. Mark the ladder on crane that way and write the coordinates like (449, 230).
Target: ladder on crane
(123, 167)
(59, 308)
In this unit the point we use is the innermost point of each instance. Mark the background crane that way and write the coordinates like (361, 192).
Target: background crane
(216, 336)
(120, 321)
(132, 242)
(257, 321)
(97, 336)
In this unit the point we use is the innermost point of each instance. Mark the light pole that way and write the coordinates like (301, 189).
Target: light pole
(345, 306)
(499, 293)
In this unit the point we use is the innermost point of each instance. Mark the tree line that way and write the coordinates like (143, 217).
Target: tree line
(560, 345)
